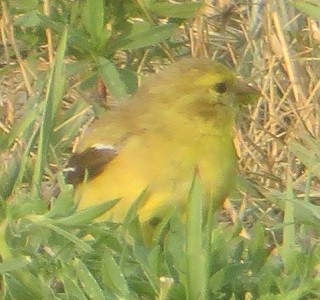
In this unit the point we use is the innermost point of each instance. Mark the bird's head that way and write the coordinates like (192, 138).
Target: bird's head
(213, 81)
(199, 79)
(200, 87)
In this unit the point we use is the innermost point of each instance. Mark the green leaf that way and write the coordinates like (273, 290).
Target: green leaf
(94, 21)
(111, 78)
(87, 215)
(130, 79)
(131, 214)
(144, 38)
(141, 258)
(227, 275)
(309, 7)
(87, 280)
(24, 160)
(20, 126)
(17, 289)
(77, 40)
(14, 264)
(176, 10)
(69, 236)
(306, 213)
(113, 276)
(67, 125)
(196, 255)
(307, 151)
(89, 81)
(287, 250)
(257, 251)
(25, 5)
(166, 283)
(52, 103)
(64, 204)
(30, 19)
(93, 17)
(71, 286)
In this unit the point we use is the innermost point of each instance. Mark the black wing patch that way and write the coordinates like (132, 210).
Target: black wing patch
(90, 163)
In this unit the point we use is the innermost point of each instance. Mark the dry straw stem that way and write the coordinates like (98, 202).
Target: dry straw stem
(46, 12)
(289, 109)
(275, 47)
(10, 34)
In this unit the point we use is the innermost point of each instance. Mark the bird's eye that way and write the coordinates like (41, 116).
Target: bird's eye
(220, 87)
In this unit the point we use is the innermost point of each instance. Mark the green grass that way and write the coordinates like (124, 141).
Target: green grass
(264, 245)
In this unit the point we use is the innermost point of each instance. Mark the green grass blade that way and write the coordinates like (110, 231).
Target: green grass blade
(196, 255)
(52, 102)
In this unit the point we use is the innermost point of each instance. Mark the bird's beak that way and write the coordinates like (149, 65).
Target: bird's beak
(245, 94)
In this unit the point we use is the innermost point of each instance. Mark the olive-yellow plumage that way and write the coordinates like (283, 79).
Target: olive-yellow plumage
(179, 120)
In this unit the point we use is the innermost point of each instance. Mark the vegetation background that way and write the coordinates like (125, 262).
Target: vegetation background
(62, 61)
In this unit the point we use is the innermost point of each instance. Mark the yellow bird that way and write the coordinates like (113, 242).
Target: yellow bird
(179, 119)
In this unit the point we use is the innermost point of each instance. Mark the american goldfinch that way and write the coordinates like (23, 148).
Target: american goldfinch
(179, 120)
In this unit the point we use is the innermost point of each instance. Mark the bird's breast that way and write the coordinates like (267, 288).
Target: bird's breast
(163, 165)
